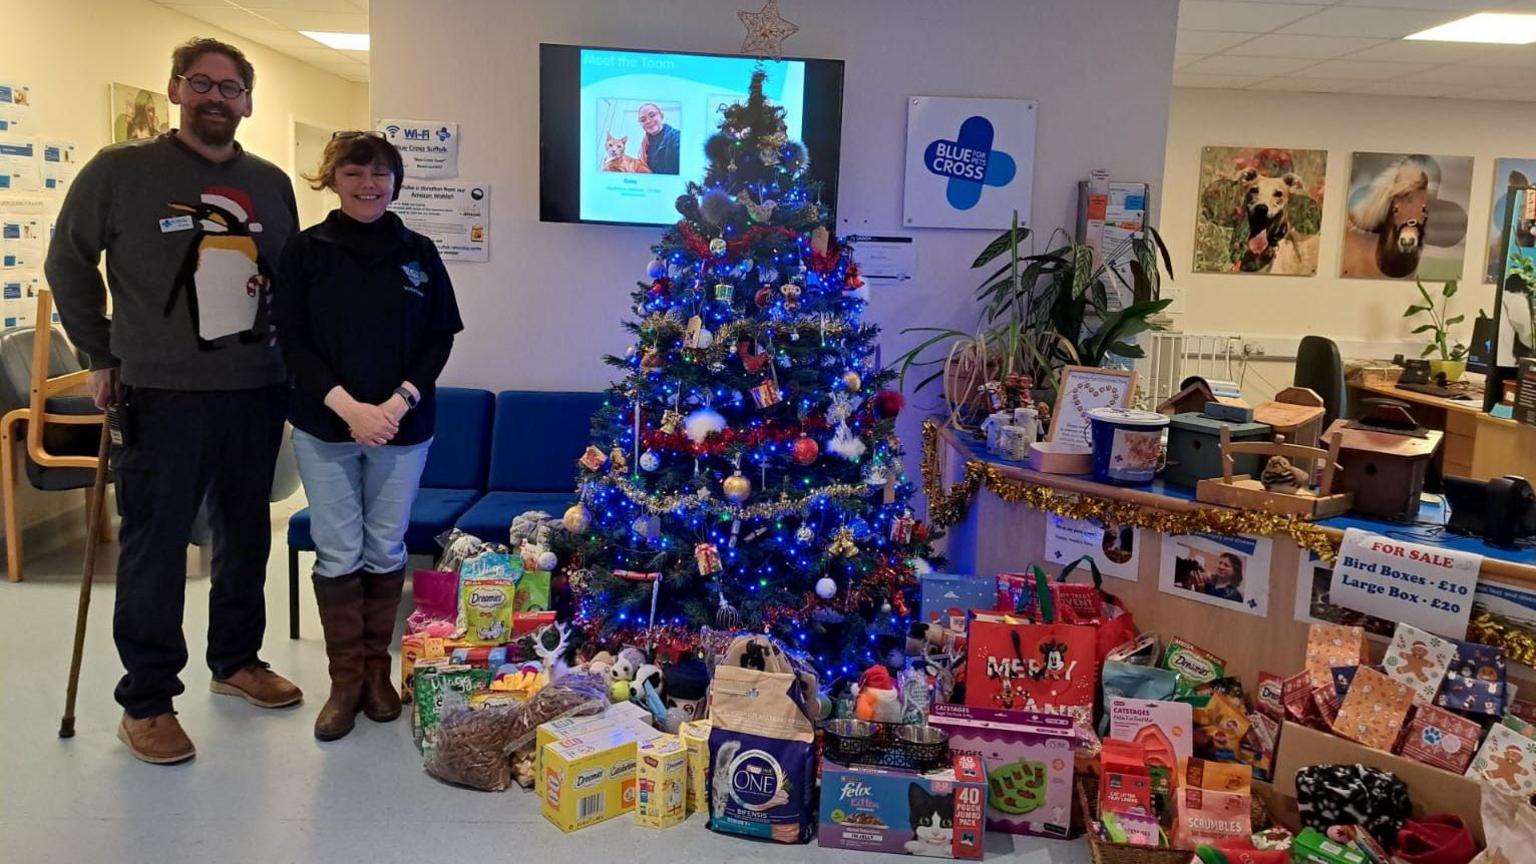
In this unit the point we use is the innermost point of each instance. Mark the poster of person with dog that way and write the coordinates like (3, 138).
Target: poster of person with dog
(1261, 210)
(1506, 173)
(1231, 572)
(1406, 216)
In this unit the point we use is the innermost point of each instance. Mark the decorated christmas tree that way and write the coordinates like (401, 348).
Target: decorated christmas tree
(745, 472)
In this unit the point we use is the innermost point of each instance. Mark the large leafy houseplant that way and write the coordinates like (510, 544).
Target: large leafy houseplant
(1040, 312)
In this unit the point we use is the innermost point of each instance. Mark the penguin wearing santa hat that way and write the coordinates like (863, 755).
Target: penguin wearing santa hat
(223, 275)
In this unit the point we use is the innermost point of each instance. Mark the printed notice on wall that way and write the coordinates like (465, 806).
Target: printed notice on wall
(430, 148)
(1114, 547)
(455, 216)
(1426, 586)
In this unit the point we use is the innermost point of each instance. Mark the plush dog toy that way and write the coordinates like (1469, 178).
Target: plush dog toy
(877, 701)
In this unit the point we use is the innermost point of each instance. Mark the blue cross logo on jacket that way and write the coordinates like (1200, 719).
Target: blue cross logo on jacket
(969, 162)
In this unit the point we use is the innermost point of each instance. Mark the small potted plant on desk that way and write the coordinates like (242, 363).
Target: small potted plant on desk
(1453, 356)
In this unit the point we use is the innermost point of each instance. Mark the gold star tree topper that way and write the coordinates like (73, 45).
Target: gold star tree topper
(766, 31)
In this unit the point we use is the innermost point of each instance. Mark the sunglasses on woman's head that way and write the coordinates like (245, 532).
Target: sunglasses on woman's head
(356, 133)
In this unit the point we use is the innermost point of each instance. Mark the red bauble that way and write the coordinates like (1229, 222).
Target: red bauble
(763, 297)
(919, 532)
(888, 403)
(660, 287)
(806, 450)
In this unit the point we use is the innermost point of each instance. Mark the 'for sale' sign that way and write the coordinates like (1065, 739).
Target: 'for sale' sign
(1426, 586)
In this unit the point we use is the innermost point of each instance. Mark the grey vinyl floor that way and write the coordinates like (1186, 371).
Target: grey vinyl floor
(262, 789)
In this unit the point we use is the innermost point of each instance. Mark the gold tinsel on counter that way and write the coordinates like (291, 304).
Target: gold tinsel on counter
(948, 508)
(1519, 643)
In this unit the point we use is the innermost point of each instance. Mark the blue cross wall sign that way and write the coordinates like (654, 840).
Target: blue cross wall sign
(969, 162)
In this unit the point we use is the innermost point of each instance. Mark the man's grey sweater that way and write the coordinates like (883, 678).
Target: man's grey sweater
(192, 247)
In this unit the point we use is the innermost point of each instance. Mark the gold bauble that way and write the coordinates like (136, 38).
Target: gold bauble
(852, 381)
(577, 519)
(737, 488)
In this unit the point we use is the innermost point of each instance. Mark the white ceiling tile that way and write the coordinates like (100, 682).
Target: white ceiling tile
(1207, 41)
(1241, 17)
(1291, 83)
(1360, 70)
(1226, 64)
(1182, 60)
(1523, 57)
(1317, 47)
(344, 6)
(1369, 21)
(1225, 82)
(1464, 6)
(1455, 75)
(227, 17)
(326, 22)
(1403, 51)
(1399, 87)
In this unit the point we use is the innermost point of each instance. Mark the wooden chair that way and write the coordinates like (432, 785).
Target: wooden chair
(57, 395)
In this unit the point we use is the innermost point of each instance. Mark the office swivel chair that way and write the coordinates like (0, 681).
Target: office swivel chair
(1320, 369)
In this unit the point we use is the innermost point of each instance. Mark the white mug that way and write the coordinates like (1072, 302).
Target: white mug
(992, 426)
(1028, 419)
(1013, 443)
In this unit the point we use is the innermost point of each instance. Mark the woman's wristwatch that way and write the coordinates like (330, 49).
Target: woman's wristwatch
(408, 396)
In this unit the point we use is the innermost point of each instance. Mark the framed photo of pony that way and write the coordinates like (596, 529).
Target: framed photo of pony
(1260, 210)
(1407, 216)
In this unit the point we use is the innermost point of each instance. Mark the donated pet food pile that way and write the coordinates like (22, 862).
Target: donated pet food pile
(1018, 705)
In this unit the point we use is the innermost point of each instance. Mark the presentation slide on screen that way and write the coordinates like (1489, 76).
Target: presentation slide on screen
(645, 118)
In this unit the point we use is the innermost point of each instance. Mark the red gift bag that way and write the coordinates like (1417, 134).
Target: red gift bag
(1088, 605)
(1044, 665)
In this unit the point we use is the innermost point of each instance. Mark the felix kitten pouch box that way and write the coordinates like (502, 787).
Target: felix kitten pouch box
(941, 815)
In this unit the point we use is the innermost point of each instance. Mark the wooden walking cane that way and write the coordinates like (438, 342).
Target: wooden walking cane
(87, 576)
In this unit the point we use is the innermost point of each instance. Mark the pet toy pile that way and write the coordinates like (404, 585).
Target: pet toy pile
(1016, 704)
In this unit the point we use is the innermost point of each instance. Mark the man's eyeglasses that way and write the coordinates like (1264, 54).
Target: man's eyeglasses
(356, 133)
(229, 88)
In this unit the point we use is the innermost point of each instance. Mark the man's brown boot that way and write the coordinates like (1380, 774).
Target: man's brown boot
(158, 740)
(341, 616)
(259, 686)
(381, 604)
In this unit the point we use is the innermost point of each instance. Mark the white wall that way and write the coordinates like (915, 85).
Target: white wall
(1352, 311)
(70, 52)
(550, 302)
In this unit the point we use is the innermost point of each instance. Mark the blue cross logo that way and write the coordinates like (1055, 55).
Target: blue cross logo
(970, 163)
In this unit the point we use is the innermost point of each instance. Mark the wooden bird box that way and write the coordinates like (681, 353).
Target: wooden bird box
(1383, 458)
(1295, 412)
(1191, 399)
(1250, 492)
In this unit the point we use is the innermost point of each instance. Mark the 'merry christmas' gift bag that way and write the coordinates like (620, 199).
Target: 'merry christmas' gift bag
(1042, 665)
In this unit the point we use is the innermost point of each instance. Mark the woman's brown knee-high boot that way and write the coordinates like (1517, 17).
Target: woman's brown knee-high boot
(381, 605)
(341, 615)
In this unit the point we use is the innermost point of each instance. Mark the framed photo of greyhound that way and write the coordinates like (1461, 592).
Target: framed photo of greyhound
(1407, 216)
(1261, 210)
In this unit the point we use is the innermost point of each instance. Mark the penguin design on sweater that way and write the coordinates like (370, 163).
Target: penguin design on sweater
(224, 277)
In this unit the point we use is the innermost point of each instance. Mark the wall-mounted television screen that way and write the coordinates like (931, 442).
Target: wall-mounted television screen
(622, 132)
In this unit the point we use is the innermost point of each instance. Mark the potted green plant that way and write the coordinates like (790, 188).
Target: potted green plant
(1453, 356)
(1040, 312)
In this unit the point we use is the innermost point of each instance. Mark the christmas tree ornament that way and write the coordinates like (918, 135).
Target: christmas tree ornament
(766, 394)
(763, 297)
(852, 381)
(701, 423)
(885, 608)
(821, 239)
(804, 534)
(577, 518)
(759, 212)
(840, 409)
(826, 589)
(888, 403)
(592, 459)
(717, 208)
(652, 361)
(707, 556)
(737, 488)
(845, 444)
(842, 545)
(670, 420)
(876, 475)
(726, 616)
(650, 460)
(659, 288)
(617, 462)
(647, 527)
(752, 360)
(791, 293)
(656, 269)
(901, 528)
(724, 292)
(717, 246)
(697, 336)
(768, 275)
(805, 450)
(919, 565)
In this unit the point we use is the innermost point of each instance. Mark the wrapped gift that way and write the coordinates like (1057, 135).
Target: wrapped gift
(1438, 737)
(1296, 697)
(1419, 659)
(1374, 710)
(946, 598)
(593, 459)
(1330, 645)
(708, 557)
(1326, 703)
(1475, 683)
(766, 394)
(1507, 762)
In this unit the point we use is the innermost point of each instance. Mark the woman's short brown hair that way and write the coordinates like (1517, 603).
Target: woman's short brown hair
(357, 148)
